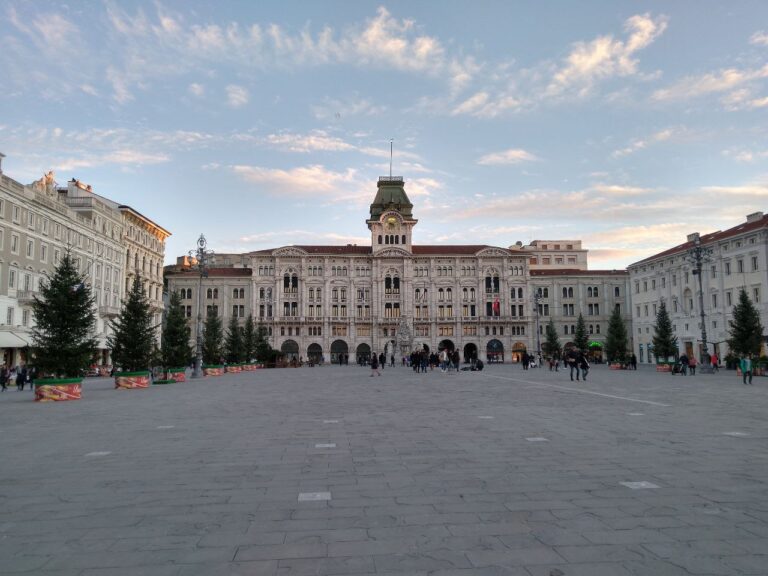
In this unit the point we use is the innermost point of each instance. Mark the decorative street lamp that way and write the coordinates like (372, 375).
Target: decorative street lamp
(536, 298)
(697, 256)
(203, 258)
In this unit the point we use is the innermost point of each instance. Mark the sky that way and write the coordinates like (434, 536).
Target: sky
(624, 124)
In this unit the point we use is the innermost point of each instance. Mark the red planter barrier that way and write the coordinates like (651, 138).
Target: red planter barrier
(58, 389)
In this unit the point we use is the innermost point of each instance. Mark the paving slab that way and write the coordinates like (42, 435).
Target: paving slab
(426, 474)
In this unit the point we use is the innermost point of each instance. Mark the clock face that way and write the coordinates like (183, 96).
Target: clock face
(391, 221)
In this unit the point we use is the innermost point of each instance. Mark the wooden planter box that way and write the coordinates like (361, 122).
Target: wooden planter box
(213, 370)
(234, 368)
(177, 374)
(58, 389)
(131, 380)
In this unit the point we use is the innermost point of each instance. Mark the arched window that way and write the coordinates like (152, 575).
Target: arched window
(449, 294)
(589, 292)
(235, 292)
(565, 293)
(397, 239)
(520, 293)
(261, 293)
(566, 329)
(464, 293)
(379, 238)
(215, 293)
(209, 294)
(440, 294)
(616, 291)
(594, 291)
(403, 242)
(597, 328)
(386, 239)
(242, 292)
(570, 292)
(471, 293)
(591, 329)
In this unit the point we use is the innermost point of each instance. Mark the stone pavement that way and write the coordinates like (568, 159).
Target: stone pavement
(327, 471)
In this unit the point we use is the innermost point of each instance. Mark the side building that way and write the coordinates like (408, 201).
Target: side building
(733, 259)
(335, 302)
(38, 224)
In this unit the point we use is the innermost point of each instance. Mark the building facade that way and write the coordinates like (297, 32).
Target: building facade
(734, 259)
(332, 302)
(38, 224)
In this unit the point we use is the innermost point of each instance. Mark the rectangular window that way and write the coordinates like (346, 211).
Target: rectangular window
(728, 298)
(16, 216)
(740, 266)
(14, 243)
(43, 253)
(727, 268)
(756, 295)
(754, 263)
(12, 278)
(714, 300)
(30, 248)
(25, 318)
(9, 317)
(2, 208)
(45, 226)
(30, 219)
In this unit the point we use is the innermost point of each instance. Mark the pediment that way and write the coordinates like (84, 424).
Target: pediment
(393, 253)
(494, 252)
(290, 251)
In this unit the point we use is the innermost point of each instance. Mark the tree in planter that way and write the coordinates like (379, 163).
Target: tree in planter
(212, 338)
(580, 340)
(664, 339)
(263, 350)
(175, 349)
(552, 344)
(234, 350)
(616, 340)
(133, 339)
(249, 339)
(746, 332)
(64, 322)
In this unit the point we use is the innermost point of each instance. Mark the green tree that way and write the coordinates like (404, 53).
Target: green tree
(616, 340)
(234, 350)
(212, 338)
(746, 332)
(264, 351)
(552, 345)
(580, 340)
(175, 349)
(133, 338)
(63, 342)
(249, 339)
(664, 339)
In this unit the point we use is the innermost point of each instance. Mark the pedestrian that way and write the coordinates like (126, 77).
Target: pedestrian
(12, 377)
(31, 377)
(4, 377)
(392, 361)
(456, 360)
(21, 379)
(375, 366)
(715, 363)
(382, 361)
(583, 364)
(692, 365)
(683, 365)
(746, 368)
(570, 359)
(633, 362)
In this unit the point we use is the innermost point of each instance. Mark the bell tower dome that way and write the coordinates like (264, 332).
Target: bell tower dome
(391, 222)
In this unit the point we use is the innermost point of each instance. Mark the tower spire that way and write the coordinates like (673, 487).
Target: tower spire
(390, 157)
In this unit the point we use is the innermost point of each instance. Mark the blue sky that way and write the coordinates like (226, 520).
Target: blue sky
(625, 124)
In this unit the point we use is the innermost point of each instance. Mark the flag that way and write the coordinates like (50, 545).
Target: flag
(496, 307)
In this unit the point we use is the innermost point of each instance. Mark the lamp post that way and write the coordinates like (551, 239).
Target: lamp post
(697, 256)
(203, 258)
(536, 299)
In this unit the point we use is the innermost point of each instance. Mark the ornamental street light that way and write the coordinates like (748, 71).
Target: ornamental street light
(536, 298)
(203, 258)
(698, 255)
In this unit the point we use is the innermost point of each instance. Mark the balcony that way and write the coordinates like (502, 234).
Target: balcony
(25, 296)
(109, 311)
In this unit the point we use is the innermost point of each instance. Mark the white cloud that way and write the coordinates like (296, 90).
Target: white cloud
(713, 82)
(605, 57)
(759, 38)
(511, 156)
(749, 190)
(196, 89)
(315, 141)
(618, 190)
(640, 144)
(237, 96)
(340, 110)
(301, 181)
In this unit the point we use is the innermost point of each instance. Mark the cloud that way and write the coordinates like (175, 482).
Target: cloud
(237, 96)
(125, 158)
(299, 236)
(641, 144)
(196, 89)
(749, 190)
(712, 83)
(511, 156)
(759, 38)
(745, 156)
(317, 140)
(342, 109)
(605, 57)
(617, 190)
(304, 181)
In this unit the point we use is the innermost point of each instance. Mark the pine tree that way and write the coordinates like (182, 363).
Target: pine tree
(664, 339)
(133, 338)
(616, 340)
(175, 349)
(552, 345)
(64, 322)
(234, 349)
(263, 350)
(249, 339)
(580, 340)
(212, 338)
(746, 330)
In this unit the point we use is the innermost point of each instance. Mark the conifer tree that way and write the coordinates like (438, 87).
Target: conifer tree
(133, 338)
(264, 351)
(552, 344)
(234, 350)
(212, 338)
(175, 349)
(249, 339)
(664, 339)
(746, 332)
(580, 340)
(616, 340)
(64, 322)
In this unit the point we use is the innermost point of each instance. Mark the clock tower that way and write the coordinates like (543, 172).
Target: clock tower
(391, 222)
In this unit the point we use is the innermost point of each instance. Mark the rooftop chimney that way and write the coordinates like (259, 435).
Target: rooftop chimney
(754, 217)
(693, 237)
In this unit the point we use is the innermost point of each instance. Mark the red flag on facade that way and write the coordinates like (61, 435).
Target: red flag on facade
(496, 307)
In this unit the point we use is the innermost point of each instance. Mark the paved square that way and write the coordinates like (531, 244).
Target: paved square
(206, 477)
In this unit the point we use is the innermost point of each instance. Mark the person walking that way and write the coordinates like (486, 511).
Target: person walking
(12, 377)
(683, 365)
(4, 377)
(633, 362)
(715, 363)
(746, 368)
(692, 362)
(570, 359)
(21, 379)
(583, 364)
(375, 366)
(382, 361)
(456, 360)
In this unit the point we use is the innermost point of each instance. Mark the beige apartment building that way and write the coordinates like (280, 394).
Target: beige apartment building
(333, 302)
(38, 223)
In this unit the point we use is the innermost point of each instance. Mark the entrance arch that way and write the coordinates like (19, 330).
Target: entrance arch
(518, 348)
(446, 345)
(290, 350)
(470, 352)
(495, 351)
(363, 353)
(339, 349)
(314, 353)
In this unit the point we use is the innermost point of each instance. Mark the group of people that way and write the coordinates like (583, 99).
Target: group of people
(19, 377)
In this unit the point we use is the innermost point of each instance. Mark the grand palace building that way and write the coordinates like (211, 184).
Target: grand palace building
(327, 303)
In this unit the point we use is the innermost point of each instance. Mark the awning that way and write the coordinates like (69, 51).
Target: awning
(25, 337)
(10, 340)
